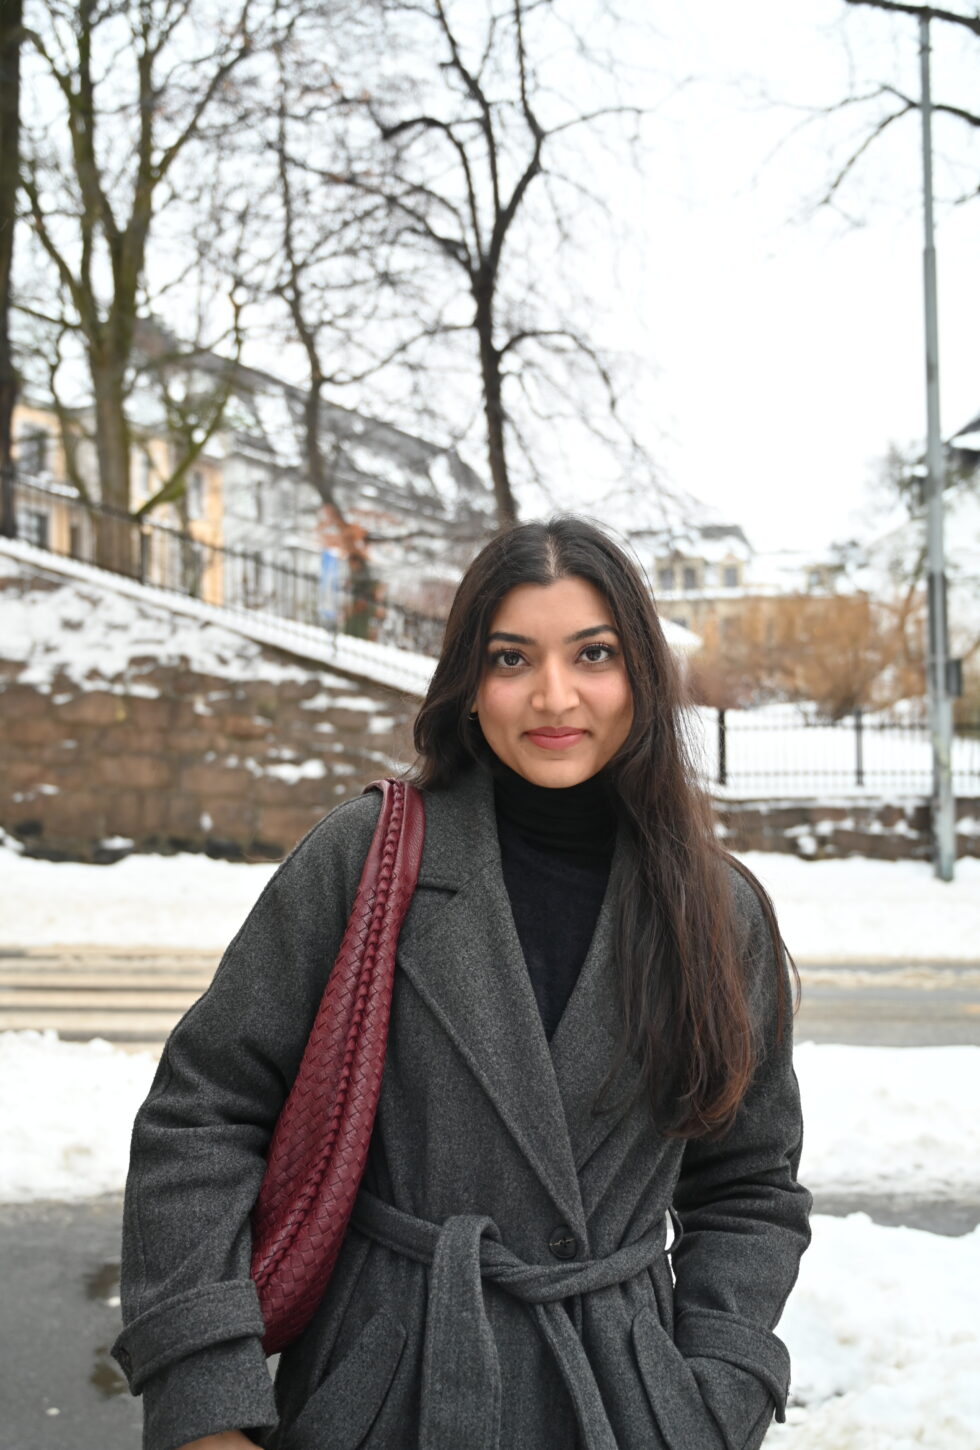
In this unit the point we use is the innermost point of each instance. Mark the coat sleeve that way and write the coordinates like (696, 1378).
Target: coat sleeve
(191, 1342)
(745, 1221)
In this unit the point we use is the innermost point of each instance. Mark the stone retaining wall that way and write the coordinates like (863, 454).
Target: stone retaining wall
(821, 830)
(124, 726)
(231, 768)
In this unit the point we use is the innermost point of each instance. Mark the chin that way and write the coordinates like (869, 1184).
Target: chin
(557, 774)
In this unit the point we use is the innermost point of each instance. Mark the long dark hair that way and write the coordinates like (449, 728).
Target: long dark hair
(683, 987)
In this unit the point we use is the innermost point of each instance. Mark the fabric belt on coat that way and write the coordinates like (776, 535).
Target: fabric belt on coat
(461, 1388)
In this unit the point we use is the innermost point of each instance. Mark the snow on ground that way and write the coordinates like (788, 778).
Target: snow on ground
(882, 1326)
(67, 1110)
(890, 1119)
(884, 1337)
(851, 910)
(878, 1119)
(181, 901)
(858, 910)
(93, 636)
(384, 664)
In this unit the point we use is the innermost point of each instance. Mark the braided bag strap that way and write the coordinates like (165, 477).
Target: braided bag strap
(319, 1146)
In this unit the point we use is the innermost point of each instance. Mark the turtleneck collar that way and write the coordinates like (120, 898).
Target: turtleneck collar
(576, 820)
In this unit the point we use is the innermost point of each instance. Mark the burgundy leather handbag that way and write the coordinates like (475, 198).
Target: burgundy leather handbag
(319, 1147)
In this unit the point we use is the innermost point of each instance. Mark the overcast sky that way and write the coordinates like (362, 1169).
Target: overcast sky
(786, 339)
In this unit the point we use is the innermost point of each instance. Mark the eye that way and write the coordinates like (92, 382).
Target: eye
(507, 659)
(598, 653)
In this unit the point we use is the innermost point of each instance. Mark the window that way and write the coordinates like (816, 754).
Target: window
(814, 579)
(195, 495)
(690, 577)
(681, 620)
(730, 577)
(32, 450)
(34, 527)
(665, 578)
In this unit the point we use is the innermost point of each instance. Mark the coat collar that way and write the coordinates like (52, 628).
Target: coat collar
(463, 956)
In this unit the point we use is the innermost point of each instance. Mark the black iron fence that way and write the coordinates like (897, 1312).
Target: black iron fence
(793, 750)
(157, 554)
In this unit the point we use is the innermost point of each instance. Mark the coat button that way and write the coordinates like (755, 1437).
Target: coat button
(563, 1243)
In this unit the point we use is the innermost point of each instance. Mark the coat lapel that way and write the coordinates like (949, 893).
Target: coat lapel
(585, 1043)
(463, 957)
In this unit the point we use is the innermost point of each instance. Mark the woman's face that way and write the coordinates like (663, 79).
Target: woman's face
(554, 701)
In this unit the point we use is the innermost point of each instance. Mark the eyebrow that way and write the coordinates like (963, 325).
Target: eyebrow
(569, 638)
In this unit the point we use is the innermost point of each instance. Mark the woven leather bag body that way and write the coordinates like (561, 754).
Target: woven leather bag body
(319, 1147)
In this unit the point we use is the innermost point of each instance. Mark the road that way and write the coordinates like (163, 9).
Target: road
(130, 995)
(914, 1005)
(134, 995)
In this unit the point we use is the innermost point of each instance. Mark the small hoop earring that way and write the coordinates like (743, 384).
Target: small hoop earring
(473, 715)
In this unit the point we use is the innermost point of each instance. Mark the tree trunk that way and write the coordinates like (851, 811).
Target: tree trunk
(493, 408)
(117, 534)
(10, 42)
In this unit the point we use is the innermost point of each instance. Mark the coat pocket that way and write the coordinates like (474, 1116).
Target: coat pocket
(341, 1411)
(680, 1414)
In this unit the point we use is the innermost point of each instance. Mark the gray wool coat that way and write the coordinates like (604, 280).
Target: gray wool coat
(505, 1283)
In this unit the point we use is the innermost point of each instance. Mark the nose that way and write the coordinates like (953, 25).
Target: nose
(554, 690)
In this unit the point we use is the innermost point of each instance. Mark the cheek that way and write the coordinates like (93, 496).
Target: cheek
(615, 703)
(495, 702)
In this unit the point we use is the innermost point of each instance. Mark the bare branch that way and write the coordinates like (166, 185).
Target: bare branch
(856, 155)
(927, 12)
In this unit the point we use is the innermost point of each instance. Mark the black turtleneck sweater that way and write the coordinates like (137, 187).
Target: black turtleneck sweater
(556, 846)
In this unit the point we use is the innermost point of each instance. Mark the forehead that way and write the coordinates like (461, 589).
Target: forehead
(559, 608)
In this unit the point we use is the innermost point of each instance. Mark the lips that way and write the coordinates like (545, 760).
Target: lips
(552, 737)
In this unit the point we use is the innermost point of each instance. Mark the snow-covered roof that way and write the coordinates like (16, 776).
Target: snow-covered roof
(786, 569)
(712, 542)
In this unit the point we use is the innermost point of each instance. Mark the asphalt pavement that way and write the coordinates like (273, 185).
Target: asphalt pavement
(908, 1005)
(133, 996)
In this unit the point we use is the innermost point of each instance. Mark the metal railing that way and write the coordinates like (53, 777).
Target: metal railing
(253, 581)
(793, 750)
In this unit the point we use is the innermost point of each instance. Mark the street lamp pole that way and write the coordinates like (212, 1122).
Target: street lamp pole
(940, 702)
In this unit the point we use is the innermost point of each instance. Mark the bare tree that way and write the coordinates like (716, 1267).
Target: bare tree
(138, 86)
(464, 151)
(11, 36)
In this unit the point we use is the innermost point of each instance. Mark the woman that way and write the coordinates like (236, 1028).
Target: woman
(591, 1029)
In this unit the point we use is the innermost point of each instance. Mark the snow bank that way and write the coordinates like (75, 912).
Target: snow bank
(890, 1119)
(67, 1111)
(180, 901)
(856, 910)
(91, 637)
(830, 911)
(133, 604)
(883, 1332)
(878, 1119)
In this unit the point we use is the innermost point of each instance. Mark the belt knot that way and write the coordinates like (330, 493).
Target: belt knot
(461, 1388)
